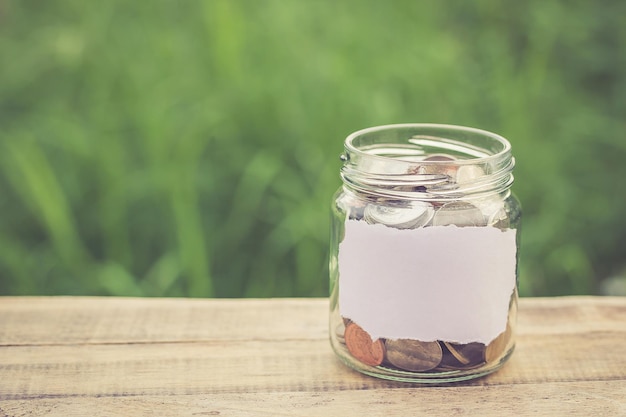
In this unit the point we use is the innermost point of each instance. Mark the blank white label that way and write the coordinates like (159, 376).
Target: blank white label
(434, 283)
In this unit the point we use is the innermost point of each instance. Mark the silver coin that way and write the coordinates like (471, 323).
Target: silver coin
(468, 173)
(494, 211)
(340, 330)
(415, 214)
(500, 219)
(459, 213)
(351, 205)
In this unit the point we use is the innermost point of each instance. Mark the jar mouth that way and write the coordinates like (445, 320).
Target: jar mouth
(427, 161)
(452, 137)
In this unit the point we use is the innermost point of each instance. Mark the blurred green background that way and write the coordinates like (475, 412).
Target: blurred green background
(190, 148)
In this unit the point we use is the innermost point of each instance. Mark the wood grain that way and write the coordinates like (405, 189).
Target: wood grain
(128, 356)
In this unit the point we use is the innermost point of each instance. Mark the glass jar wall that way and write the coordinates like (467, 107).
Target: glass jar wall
(424, 253)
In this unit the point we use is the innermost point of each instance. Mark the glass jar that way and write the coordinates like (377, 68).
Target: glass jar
(424, 253)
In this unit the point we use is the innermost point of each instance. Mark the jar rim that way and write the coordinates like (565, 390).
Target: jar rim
(397, 161)
(505, 144)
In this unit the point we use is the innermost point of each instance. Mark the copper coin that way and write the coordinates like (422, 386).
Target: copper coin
(362, 347)
(444, 169)
(413, 355)
(439, 157)
(498, 346)
(436, 168)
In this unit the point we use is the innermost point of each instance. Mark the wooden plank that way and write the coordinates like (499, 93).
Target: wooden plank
(268, 366)
(124, 356)
(67, 320)
(577, 314)
(596, 398)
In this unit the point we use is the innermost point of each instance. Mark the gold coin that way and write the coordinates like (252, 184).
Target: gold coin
(468, 354)
(496, 348)
(413, 355)
(456, 353)
(362, 347)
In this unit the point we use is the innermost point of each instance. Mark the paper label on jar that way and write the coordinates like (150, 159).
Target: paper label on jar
(433, 283)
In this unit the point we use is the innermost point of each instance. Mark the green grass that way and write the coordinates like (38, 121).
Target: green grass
(190, 148)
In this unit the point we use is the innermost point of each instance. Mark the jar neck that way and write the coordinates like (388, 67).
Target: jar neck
(427, 162)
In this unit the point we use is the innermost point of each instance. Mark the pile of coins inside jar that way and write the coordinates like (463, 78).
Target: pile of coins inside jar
(418, 356)
(411, 214)
(415, 355)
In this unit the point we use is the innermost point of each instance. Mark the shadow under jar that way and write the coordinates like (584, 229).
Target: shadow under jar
(424, 253)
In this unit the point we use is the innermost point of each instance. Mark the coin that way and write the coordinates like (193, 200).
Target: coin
(496, 348)
(500, 219)
(467, 354)
(362, 347)
(415, 214)
(413, 355)
(468, 173)
(456, 353)
(439, 167)
(340, 330)
(439, 157)
(459, 213)
(351, 205)
(443, 169)
(495, 211)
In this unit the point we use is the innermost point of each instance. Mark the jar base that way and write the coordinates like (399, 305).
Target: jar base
(425, 378)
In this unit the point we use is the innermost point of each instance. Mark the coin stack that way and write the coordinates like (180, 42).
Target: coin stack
(487, 211)
(410, 354)
(420, 356)
(423, 259)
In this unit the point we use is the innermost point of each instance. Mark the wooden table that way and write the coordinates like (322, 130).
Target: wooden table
(83, 356)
